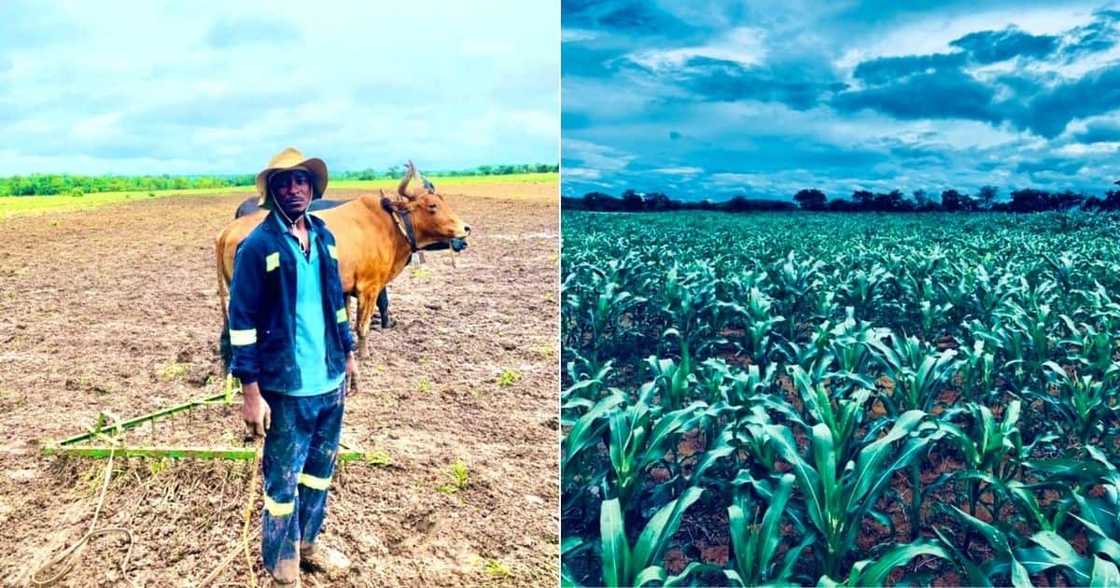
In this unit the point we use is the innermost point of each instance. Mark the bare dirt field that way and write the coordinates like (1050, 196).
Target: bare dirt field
(115, 309)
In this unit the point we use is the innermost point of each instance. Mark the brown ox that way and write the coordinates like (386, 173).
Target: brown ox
(371, 239)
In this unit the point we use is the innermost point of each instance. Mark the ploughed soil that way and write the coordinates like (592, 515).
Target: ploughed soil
(114, 310)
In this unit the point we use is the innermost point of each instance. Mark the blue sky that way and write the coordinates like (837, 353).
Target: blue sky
(218, 87)
(705, 99)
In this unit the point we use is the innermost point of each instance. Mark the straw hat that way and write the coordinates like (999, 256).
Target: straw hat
(287, 160)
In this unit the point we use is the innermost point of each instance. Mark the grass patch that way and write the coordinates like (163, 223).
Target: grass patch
(508, 378)
(496, 569)
(421, 273)
(460, 478)
(424, 386)
(173, 371)
(378, 457)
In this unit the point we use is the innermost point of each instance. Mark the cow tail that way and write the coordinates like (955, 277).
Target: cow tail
(225, 350)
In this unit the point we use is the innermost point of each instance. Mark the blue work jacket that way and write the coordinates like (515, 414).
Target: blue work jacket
(262, 307)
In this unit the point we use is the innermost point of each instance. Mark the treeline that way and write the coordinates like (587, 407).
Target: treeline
(482, 170)
(51, 184)
(73, 185)
(986, 199)
(631, 201)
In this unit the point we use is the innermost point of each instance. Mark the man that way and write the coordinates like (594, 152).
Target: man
(293, 352)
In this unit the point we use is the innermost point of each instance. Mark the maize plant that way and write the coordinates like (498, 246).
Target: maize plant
(626, 564)
(756, 535)
(819, 379)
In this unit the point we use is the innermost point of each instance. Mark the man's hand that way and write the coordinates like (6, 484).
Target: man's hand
(254, 410)
(351, 373)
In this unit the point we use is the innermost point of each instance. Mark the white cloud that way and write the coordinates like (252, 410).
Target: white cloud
(679, 171)
(742, 45)
(578, 35)
(933, 33)
(593, 155)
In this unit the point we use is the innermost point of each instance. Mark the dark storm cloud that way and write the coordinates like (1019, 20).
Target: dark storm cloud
(1099, 132)
(888, 69)
(1059, 165)
(727, 81)
(1048, 113)
(233, 32)
(633, 17)
(995, 46)
(937, 95)
(1099, 35)
(581, 60)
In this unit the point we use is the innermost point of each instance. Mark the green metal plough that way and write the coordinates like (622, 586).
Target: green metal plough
(96, 441)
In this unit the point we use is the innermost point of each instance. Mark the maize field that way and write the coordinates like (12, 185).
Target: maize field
(840, 400)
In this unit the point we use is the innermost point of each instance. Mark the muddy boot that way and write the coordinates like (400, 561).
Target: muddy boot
(320, 558)
(286, 574)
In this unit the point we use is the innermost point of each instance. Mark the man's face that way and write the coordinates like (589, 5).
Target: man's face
(292, 190)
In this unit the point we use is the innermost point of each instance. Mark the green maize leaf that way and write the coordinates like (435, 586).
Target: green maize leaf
(791, 558)
(808, 479)
(1054, 551)
(871, 476)
(826, 582)
(568, 548)
(742, 543)
(825, 459)
(1065, 469)
(585, 432)
(572, 544)
(659, 575)
(1102, 542)
(1026, 500)
(1019, 576)
(995, 537)
(615, 552)
(962, 441)
(1105, 574)
(655, 537)
(875, 573)
(976, 576)
(771, 533)
(720, 449)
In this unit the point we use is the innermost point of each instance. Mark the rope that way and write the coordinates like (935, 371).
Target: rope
(65, 556)
(243, 544)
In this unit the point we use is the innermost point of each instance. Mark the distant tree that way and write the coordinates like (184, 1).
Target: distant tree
(921, 199)
(888, 202)
(658, 201)
(954, 201)
(863, 200)
(600, 201)
(811, 199)
(1066, 200)
(632, 201)
(986, 197)
(1029, 200)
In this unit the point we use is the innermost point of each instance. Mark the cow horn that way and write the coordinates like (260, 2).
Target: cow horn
(430, 187)
(402, 189)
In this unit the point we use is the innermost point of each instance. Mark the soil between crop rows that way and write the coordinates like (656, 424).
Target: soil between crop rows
(114, 309)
